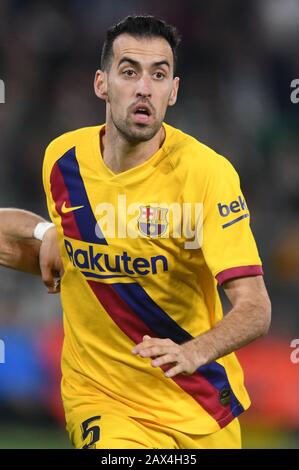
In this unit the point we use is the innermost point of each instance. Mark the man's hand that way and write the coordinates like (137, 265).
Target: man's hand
(248, 319)
(183, 358)
(50, 262)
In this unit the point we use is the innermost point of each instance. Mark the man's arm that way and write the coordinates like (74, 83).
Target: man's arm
(18, 249)
(248, 319)
(21, 251)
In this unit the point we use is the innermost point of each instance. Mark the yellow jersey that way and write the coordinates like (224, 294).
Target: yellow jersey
(143, 252)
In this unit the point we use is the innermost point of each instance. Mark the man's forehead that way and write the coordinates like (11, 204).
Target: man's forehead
(149, 49)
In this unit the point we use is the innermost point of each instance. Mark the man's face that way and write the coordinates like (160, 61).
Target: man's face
(140, 86)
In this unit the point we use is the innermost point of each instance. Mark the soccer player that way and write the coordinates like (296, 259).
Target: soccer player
(149, 221)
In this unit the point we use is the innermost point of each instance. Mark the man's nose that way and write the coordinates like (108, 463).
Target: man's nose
(144, 87)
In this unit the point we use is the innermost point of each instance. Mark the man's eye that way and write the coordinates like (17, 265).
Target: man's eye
(129, 73)
(159, 75)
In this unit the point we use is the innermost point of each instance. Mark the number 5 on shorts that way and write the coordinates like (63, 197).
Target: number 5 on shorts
(87, 430)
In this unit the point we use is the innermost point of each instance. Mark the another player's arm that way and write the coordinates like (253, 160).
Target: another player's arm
(248, 319)
(18, 249)
(21, 251)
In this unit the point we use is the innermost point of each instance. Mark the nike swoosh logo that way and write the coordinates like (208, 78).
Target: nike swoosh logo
(66, 210)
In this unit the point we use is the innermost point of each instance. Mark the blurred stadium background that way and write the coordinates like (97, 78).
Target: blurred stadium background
(237, 61)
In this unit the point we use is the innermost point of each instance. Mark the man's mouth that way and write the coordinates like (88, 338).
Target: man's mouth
(142, 111)
(142, 114)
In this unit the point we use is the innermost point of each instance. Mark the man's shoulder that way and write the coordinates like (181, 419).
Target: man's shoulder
(64, 142)
(187, 151)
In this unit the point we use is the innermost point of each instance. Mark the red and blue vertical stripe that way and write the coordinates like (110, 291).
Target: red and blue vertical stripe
(67, 187)
(136, 314)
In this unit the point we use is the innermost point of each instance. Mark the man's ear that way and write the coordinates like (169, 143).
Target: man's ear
(100, 84)
(174, 91)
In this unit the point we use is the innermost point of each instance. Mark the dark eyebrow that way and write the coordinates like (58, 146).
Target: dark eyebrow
(137, 64)
(127, 59)
(162, 62)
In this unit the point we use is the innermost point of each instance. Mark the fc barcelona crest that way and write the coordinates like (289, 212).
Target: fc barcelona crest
(152, 221)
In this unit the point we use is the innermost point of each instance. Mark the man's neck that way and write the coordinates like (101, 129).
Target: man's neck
(120, 155)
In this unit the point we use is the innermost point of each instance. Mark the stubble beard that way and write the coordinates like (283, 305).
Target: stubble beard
(136, 133)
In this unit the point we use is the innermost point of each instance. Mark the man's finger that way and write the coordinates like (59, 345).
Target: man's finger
(166, 359)
(56, 285)
(178, 369)
(47, 276)
(50, 282)
(149, 342)
(154, 351)
(145, 343)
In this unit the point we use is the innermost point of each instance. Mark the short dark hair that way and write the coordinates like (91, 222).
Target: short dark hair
(143, 26)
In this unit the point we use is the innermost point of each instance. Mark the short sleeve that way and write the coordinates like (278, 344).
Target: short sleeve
(46, 184)
(49, 161)
(228, 244)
